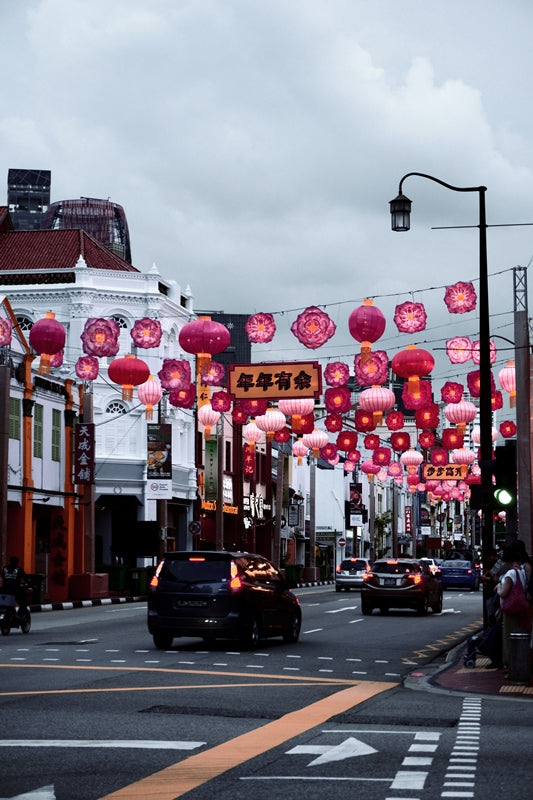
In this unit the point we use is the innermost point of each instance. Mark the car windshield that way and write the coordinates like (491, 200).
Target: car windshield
(195, 571)
(350, 563)
(395, 567)
(455, 564)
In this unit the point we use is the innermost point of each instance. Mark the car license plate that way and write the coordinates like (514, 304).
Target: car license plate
(190, 603)
(389, 582)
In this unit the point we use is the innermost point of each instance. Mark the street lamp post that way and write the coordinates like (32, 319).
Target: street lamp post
(400, 209)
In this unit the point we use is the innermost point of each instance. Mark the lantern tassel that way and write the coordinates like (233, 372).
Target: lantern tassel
(127, 392)
(413, 385)
(149, 413)
(366, 350)
(44, 364)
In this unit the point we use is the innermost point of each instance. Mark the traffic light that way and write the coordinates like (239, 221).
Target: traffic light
(505, 492)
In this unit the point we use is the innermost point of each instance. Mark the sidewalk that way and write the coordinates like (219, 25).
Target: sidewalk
(481, 679)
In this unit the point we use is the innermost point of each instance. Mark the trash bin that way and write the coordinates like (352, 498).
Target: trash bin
(519, 658)
(37, 583)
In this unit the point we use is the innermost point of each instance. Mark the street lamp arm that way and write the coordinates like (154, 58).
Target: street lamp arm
(442, 183)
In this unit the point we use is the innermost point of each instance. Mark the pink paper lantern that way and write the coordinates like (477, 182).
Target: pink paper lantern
(377, 399)
(150, 393)
(208, 417)
(507, 379)
(6, 331)
(315, 441)
(270, 422)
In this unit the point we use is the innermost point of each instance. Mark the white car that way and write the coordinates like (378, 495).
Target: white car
(432, 564)
(349, 574)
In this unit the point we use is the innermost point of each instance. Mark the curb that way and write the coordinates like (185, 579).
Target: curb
(103, 601)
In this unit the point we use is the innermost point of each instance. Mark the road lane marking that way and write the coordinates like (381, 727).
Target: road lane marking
(184, 776)
(148, 744)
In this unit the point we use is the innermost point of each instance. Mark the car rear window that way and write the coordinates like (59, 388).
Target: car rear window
(195, 570)
(353, 563)
(455, 563)
(395, 567)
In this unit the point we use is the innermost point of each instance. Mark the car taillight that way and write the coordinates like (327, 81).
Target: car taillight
(368, 575)
(338, 568)
(235, 582)
(154, 583)
(415, 578)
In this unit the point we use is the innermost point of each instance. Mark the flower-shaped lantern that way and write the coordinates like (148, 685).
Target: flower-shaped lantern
(460, 298)
(87, 368)
(366, 324)
(410, 317)
(337, 400)
(439, 457)
(346, 440)
(452, 392)
(183, 398)
(336, 373)
(333, 423)
(6, 331)
(426, 439)
(371, 441)
(417, 400)
(459, 349)
(476, 352)
(382, 456)
(146, 333)
(150, 393)
(364, 420)
(283, 435)
(400, 441)
(413, 363)
(373, 369)
(508, 429)
(100, 337)
(428, 416)
(204, 338)
(47, 337)
(214, 375)
(221, 401)
(238, 414)
(260, 328)
(394, 420)
(507, 379)
(128, 371)
(313, 327)
(174, 374)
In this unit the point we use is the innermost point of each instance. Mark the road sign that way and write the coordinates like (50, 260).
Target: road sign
(195, 526)
(342, 542)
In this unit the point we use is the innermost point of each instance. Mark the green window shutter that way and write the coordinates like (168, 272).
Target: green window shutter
(38, 431)
(14, 418)
(56, 434)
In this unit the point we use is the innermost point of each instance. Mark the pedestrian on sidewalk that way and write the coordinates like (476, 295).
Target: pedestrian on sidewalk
(519, 621)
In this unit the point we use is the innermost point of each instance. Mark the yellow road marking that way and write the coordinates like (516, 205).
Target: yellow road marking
(184, 776)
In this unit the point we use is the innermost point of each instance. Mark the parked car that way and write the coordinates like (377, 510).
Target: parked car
(401, 583)
(220, 594)
(349, 573)
(432, 564)
(457, 572)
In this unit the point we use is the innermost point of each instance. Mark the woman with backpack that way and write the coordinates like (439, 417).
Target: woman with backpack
(513, 599)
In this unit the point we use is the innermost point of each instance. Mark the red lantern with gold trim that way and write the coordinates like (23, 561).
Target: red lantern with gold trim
(412, 363)
(128, 371)
(47, 337)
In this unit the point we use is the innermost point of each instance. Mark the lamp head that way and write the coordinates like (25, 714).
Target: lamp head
(400, 210)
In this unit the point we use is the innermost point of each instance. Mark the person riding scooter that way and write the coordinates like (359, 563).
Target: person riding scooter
(14, 580)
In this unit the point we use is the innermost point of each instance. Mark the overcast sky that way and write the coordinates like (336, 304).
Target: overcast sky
(255, 145)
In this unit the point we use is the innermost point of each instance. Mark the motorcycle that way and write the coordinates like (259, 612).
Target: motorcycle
(12, 615)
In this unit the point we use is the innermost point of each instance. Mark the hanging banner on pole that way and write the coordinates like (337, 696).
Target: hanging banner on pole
(211, 470)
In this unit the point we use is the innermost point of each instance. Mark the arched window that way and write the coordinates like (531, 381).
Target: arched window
(116, 407)
(25, 323)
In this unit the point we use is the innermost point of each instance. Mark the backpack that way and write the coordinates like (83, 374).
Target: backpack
(516, 601)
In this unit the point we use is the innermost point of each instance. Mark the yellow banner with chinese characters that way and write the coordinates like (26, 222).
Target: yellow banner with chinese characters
(275, 381)
(444, 472)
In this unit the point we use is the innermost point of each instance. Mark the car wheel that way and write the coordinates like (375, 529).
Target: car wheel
(437, 606)
(5, 629)
(423, 606)
(252, 635)
(292, 634)
(366, 608)
(162, 640)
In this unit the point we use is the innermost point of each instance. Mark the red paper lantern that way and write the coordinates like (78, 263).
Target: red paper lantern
(150, 393)
(346, 440)
(371, 441)
(451, 438)
(364, 420)
(129, 371)
(400, 441)
(333, 423)
(338, 400)
(377, 399)
(183, 398)
(366, 324)
(413, 363)
(426, 439)
(47, 337)
(204, 338)
(508, 429)
(394, 420)
(427, 417)
(410, 317)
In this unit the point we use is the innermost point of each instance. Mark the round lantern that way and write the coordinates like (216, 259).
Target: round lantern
(476, 435)
(270, 422)
(47, 337)
(412, 363)
(299, 450)
(150, 393)
(370, 469)
(460, 414)
(129, 371)
(315, 440)
(297, 407)
(507, 379)
(463, 456)
(366, 324)
(411, 459)
(252, 433)
(208, 417)
(204, 338)
(377, 399)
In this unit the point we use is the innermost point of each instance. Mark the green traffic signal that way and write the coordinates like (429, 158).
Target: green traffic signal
(504, 497)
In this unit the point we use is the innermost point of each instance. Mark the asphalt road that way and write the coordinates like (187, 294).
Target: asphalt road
(90, 710)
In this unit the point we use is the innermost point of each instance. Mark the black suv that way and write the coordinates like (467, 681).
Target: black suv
(218, 594)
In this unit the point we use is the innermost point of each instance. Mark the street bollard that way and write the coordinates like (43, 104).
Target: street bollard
(519, 658)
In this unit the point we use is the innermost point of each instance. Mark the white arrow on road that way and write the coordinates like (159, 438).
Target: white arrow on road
(344, 608)
(348, 749)
(44, 793)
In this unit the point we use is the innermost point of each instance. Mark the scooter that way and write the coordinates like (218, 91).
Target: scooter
(12, 616)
